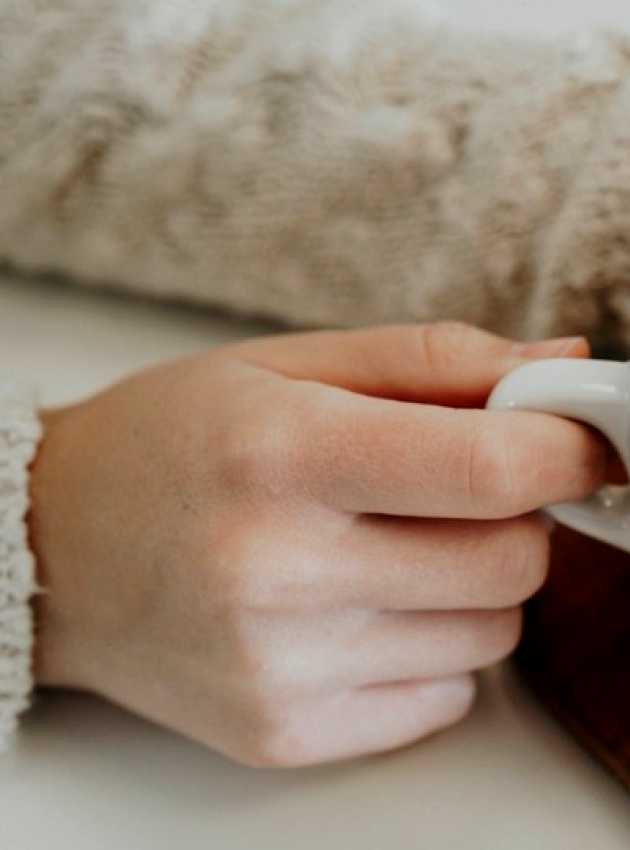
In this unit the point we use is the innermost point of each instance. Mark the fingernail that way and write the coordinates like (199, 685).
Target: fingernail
(549, 347)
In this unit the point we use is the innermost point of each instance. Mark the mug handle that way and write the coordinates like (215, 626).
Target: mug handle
(596, 392)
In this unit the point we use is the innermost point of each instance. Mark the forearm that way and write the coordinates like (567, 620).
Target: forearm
(327, 163)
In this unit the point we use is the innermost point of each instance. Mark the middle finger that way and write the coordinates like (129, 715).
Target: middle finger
(393, 563)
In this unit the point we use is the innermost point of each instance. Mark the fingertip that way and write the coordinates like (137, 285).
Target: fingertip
(572, 346)
(551, 460)
(579, 348)
(452, 698)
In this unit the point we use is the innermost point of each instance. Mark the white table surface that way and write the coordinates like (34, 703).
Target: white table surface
(87, 775)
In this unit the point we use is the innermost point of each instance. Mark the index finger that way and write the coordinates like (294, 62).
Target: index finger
(447, 363)
(368, 455)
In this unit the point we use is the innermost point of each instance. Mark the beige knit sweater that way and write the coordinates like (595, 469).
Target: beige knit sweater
(320, 161)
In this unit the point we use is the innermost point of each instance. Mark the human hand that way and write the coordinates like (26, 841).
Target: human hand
(297, 549)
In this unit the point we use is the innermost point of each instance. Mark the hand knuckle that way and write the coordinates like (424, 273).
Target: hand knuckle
(253, 661)
(278, 744)
(239, 566)
(440, 343)
(270, 673)
(270, 708)
(262, 566)
(257, 457)
(490, 474)
(522, 559)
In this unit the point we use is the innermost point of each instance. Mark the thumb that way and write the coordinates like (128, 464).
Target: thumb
(441, 363)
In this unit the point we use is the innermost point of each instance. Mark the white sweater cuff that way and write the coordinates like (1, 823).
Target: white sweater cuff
(20, 431)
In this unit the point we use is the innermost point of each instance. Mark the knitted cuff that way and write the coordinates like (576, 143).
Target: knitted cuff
(20, 431)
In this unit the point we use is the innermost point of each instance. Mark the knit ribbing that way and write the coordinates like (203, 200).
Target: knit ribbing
(20, 431)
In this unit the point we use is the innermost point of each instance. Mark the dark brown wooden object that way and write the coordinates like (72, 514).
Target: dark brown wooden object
(576, 647)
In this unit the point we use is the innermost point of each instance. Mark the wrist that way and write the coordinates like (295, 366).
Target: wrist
(50, 537)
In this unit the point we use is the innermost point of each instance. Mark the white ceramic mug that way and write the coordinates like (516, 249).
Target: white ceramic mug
(593, 391)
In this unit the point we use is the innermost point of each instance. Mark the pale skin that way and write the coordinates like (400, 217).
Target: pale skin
(299, 549)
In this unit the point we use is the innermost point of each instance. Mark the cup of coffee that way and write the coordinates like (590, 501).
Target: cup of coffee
(596, 392)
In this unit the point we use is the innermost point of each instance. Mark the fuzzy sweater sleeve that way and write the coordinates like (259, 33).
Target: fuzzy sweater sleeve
(19, 433)
(331, 162)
